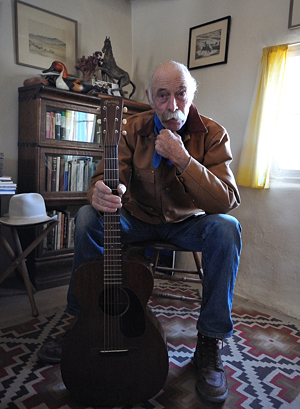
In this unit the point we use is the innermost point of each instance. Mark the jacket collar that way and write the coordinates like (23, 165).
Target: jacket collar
(194, 124)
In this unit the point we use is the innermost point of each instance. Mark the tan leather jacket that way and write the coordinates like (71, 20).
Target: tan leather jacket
(162, 195)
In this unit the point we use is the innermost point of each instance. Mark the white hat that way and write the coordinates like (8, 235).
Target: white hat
(26, 208)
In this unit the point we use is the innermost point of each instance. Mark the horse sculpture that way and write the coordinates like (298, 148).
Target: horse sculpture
(110, 68)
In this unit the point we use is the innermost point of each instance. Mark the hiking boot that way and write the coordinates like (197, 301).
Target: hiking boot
(50, 352)
(211, 383)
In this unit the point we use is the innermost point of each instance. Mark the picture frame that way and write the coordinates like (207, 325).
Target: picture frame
(294, 14)
(208, 43)
(43, 37)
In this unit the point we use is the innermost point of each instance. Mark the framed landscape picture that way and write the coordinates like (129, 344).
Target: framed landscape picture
(43, 36)
(208, 43)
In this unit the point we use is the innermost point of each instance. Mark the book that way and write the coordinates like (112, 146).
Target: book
(87, 180)
(50, 243)
(8, 187)
(53, 174)
(57, 176)
(61, 237)
(80, 174)
(51, 125)
(57, 125)
(71, 232)
(48, 173)
(73, 175)
(69, 125)
(66, 229)
(48, 120)
(8, 184)
(58, 231)
(62, 174)
(7, 192)
(63, 125)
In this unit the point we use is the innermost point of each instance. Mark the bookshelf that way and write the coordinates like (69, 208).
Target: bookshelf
(59, 148)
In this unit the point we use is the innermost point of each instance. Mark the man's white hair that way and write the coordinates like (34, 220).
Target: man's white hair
(192, 83)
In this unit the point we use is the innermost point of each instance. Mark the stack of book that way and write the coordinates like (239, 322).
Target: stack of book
(72, 126)
(61, 237)
(69, 173)
(7, 187)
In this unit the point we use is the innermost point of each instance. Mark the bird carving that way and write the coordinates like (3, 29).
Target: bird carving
(59, 75)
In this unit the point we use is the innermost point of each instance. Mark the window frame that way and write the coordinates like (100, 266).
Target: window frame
(277, 173)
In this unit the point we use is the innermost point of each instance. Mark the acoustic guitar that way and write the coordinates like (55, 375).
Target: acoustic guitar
(116, 353)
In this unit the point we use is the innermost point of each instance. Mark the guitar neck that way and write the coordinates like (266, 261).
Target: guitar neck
(111, 128)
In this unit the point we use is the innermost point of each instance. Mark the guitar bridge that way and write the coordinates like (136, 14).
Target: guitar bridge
(108, 352)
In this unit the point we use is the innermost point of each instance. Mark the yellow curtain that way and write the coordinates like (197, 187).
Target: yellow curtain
(256, 154)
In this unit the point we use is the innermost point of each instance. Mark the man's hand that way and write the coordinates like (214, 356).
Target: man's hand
(104, 200)
(169, 145)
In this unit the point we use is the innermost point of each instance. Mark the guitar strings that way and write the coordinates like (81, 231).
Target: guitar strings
(112, 250)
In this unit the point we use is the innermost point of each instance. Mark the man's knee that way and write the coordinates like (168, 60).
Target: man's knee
(231, 224)
(226, 228)
(85, 218)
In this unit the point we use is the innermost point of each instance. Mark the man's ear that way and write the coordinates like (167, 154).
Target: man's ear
(149, 99)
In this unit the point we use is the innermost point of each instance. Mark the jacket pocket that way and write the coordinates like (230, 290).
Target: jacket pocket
(143, 187)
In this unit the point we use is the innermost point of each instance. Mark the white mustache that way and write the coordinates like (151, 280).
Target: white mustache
(177, 115)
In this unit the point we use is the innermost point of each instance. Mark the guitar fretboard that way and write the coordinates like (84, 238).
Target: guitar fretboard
(112, 232)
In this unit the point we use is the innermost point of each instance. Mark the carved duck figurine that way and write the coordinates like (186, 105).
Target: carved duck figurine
(63, 81)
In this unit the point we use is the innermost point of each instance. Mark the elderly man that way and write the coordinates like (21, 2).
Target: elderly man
(175, 185)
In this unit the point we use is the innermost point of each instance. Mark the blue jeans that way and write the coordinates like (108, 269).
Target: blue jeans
(217, 236)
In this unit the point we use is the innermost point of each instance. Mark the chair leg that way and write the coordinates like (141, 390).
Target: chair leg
(198, 263)
(174, 277)
(174, 297)
(155, 258)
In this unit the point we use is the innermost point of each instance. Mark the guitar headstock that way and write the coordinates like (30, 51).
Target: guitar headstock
(111, 120)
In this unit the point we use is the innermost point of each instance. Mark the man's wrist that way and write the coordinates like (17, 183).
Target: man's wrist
(181, 169)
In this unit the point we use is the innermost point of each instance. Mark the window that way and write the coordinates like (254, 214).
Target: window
(286, 154)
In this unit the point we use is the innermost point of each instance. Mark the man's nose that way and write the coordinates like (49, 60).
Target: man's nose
(172, 104)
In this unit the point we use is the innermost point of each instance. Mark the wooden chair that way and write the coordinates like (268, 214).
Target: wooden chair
(170, 273)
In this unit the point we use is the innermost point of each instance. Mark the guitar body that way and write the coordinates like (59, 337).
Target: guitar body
(115, 354)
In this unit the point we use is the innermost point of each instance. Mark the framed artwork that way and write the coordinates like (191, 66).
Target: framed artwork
(208, 43)
(294, 14)
(43, 36)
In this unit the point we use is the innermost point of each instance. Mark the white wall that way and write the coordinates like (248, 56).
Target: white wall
(269, 269)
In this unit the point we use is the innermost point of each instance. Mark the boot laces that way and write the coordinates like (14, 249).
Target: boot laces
(209, 350)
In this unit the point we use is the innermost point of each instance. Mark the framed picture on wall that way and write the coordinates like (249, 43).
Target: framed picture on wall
(294, 14)
(208, 43)
(43, 36)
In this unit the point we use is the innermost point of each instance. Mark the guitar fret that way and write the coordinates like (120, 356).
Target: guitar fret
(111, 246)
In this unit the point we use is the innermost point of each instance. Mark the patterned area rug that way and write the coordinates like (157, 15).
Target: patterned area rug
(261, 360)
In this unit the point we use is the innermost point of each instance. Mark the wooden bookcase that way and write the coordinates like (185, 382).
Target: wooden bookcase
(58, 165)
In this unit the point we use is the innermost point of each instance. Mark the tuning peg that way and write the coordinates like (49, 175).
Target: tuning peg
(124, 121)
(125, 110)
(124, 133)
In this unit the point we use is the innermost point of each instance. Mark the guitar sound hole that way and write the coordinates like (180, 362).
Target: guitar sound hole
(114, 301)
